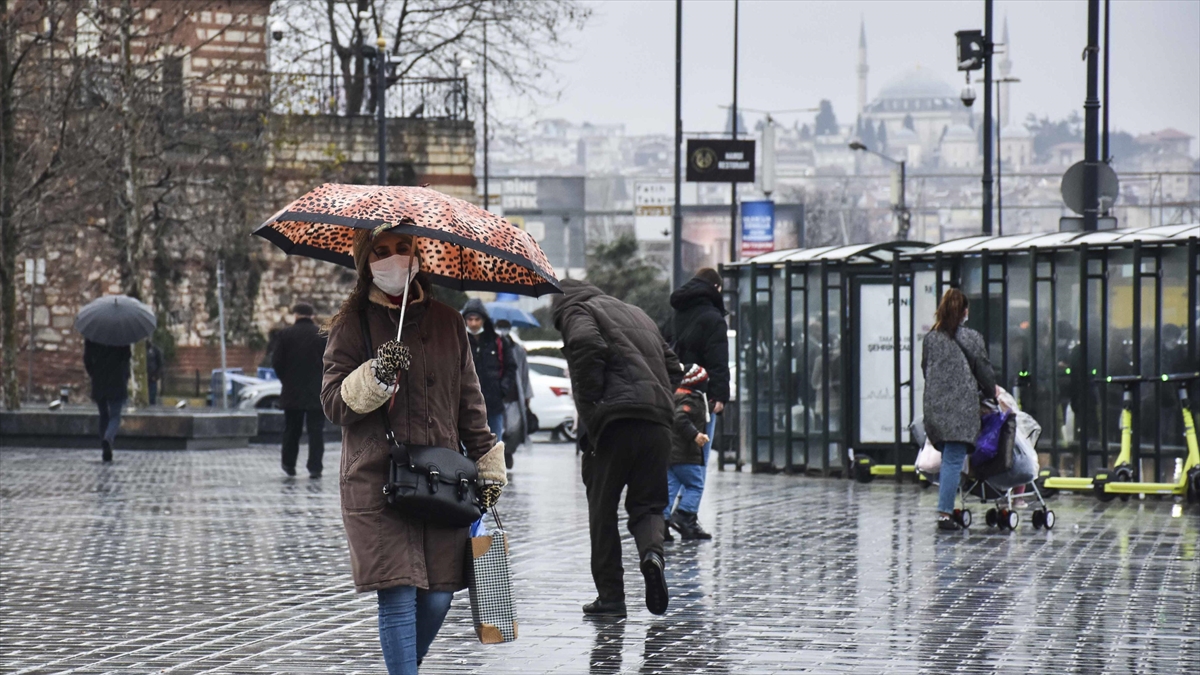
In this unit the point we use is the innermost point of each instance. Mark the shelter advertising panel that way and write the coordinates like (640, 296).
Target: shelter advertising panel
(876, 385)
(758, 228)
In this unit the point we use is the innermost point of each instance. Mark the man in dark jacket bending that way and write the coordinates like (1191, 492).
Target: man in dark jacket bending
(622, 377)
(298, 361)
(701, 336)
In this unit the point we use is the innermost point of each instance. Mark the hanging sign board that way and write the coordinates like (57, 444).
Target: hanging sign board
(758, 228)
(720, 161)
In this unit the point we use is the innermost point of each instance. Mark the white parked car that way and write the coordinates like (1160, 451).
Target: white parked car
(552, 403)
(260, 394)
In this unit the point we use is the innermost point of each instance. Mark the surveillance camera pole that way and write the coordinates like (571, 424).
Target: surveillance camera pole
(677, 212)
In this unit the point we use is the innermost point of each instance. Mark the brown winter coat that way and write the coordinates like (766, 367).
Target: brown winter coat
(438, 403)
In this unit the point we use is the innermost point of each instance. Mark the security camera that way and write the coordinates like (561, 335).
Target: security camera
(277, 30)
(968, 95)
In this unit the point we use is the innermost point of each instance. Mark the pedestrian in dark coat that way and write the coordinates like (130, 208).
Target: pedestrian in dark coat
(957, 372)
(622, 376)
(414, 566)
(297, 363)
(108, 368)
(701, 336)
(495, 365)
(516, 405)
(685, 476)
(154, 371)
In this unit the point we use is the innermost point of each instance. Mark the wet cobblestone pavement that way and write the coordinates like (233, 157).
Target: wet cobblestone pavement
(188, 562)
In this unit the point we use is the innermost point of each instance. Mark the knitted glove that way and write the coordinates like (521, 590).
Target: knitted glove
(489, 495)
(390, 358)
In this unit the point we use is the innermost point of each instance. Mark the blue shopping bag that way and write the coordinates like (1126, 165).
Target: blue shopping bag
(987, 443)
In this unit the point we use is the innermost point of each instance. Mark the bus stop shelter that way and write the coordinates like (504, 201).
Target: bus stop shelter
(814, 354)
(1063, 311)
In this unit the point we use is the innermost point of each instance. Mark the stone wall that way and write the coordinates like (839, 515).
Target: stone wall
(304, 151)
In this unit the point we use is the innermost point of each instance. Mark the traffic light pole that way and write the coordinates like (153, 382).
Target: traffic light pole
(1091, 122)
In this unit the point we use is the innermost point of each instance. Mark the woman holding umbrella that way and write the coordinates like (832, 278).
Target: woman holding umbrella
(392, 348)
(414, 567)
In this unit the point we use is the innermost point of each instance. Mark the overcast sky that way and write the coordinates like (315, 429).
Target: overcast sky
(794, 53)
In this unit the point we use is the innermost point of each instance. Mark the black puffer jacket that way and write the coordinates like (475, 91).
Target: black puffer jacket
(701, 335)
(495, 365)
(298, 363)
(691, 418)
(620, 366)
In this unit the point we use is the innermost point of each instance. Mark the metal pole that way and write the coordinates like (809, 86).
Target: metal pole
(1104, 156)
(999, 168)
(1091, 121)
(486, 172)
(733, 133)
(987, 118)
(677, 212)
(896, 346)
(380, 104)
(902, 230)
(32, 292)
(221, 320)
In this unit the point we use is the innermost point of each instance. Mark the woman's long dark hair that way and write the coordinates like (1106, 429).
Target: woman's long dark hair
(358, 298)
(951, 311)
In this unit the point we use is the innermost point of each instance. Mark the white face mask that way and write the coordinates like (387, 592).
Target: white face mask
(391, 273)
(475, 331)
(502, 331)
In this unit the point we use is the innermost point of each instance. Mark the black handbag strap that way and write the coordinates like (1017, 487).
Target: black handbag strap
(399, 452)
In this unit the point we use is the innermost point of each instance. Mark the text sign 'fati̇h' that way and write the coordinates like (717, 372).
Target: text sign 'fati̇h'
(720, 161)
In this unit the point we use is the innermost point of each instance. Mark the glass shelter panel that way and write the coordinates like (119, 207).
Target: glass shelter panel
(800, 395)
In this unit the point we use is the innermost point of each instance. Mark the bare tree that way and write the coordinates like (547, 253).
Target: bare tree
(429, 38)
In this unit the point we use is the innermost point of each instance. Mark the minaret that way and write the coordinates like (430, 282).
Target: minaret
(1005, 68)
(862, 67)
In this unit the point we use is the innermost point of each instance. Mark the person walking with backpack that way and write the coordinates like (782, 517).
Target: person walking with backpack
(700, 336)
(297, 363)
(958, 374)
(495, 365)
(622, 376)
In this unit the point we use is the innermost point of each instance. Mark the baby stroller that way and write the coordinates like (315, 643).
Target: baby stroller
(1004, 479)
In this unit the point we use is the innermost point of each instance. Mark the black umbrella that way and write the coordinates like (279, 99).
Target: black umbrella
(116, 320)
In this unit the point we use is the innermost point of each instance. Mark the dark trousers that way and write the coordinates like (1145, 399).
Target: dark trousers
(631, 453)
(153, 390)
(110, 417)
(294, 422)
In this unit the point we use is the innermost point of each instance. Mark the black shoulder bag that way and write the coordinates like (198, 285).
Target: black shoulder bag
(425, 482)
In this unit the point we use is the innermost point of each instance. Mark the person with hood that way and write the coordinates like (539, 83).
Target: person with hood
(297, 364)
(622, 376)
(108, 368)
(954, 359)
(495, 365)
(685, 477)
(516, 406)
(424, 388)
(700, 335)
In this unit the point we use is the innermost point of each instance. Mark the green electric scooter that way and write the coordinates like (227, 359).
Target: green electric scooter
(1109, 485)
(1050, 482)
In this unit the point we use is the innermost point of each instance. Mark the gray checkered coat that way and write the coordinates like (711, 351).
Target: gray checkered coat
(951, 398)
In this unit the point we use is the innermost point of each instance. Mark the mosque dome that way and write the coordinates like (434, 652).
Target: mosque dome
(1015, 131)
(903, 137)
(959, 132)
(915, 90)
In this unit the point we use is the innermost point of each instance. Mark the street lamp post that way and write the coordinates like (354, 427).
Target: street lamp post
(1000, 156)
(903, 216)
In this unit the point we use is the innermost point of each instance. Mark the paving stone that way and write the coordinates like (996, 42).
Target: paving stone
(213, 561)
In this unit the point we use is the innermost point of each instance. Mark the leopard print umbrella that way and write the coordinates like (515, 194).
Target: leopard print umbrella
(461, 245)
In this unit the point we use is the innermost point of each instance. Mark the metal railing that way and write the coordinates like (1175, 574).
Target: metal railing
(439, 98)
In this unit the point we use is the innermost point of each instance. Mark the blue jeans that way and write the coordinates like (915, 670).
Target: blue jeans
(953, 455)
(409, 619)
(110, 417)
(496, 425)
(685, 481)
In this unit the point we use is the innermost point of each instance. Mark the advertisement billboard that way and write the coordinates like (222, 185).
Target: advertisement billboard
(758, 228)
(720, 161)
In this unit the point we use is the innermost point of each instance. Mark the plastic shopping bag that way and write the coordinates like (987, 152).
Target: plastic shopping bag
(929, 460)
(1024, 468)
